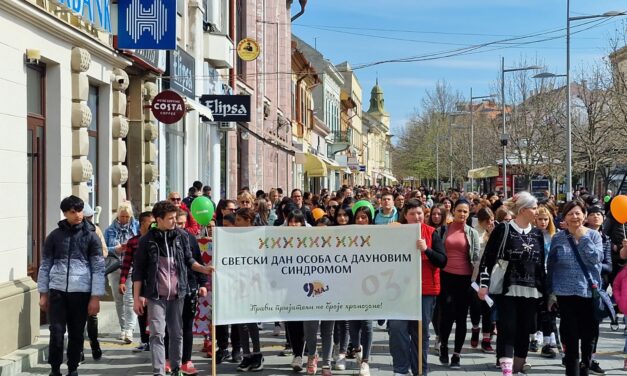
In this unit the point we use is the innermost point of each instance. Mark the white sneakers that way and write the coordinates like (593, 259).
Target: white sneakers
(340, 363)
(336, 352)
(297, 364)
(402, 374)
(364, 369)
(358, 357)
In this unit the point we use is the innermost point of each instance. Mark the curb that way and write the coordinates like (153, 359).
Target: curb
(29, 357)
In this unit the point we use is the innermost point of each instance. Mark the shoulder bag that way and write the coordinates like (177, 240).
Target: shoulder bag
(602, 304)
(500, 267)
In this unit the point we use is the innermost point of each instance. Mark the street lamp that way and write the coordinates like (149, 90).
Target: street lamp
(542, 76)
(450, 138)
(504, 137)
(472, 135)
(569, 141)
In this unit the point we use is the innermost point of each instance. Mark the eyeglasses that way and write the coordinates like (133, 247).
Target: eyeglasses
(231, 209)
(175, 199)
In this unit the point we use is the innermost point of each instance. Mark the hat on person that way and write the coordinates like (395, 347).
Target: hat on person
(317, 213)
(87, 210)
(595, 209)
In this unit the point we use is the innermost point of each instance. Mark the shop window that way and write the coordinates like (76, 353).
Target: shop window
(92, 155)
(175, 157)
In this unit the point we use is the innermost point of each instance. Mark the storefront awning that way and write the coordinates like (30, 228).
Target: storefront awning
(202, 110)
(314, 166)
(484, 172)
(389, 177)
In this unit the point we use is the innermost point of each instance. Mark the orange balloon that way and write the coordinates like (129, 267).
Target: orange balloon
(618, 207)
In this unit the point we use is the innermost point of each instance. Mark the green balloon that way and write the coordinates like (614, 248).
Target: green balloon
(362, 203)
(202, 210)
(606, 199)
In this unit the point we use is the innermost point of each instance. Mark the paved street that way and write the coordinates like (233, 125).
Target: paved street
(118, 359)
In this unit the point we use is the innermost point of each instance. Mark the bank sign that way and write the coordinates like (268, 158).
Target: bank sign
(146, 24)
(228, 107)
(96, 11)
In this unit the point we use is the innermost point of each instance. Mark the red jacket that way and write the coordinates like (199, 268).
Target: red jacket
(433, 259)
(192, 226)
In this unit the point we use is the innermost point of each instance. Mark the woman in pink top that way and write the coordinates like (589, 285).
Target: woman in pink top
(462, 250)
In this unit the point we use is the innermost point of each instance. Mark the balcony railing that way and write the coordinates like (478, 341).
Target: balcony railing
(343, 135)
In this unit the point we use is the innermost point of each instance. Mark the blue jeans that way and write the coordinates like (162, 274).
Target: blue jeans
(404, 340)
(361, 336)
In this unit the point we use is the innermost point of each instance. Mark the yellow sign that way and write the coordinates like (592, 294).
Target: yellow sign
(248, 49)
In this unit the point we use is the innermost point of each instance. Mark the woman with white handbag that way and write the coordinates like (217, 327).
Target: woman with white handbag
(513, 274)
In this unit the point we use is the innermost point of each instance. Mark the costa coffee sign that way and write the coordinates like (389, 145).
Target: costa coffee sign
(168, 107)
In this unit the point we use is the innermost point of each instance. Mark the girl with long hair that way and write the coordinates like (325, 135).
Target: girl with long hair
(361, 330)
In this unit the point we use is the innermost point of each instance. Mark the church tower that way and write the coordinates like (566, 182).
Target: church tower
(377, 105)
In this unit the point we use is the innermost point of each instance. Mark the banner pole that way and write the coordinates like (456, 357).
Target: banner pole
(420, 347)
(213, 315)
(420, 321)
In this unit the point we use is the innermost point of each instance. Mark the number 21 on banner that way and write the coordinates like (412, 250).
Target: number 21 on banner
(371, 284)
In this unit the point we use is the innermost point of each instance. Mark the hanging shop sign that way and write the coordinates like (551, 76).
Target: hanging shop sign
(168, 107)
(147, 24)
(155, 58)
(248, 49)
(181, 72)
(228, 107)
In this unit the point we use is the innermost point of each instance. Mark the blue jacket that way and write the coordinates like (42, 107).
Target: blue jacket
(72, 260)
(564, 275)
(120, 234)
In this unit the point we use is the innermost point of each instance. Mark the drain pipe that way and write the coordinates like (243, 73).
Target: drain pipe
(303, 4)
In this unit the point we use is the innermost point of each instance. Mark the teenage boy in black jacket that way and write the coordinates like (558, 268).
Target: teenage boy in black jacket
(161, 274)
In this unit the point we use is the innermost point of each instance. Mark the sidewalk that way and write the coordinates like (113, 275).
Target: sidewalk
(118, 358)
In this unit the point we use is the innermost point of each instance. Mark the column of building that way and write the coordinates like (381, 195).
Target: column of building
(81, 117)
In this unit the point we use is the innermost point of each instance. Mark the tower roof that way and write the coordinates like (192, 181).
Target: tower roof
(377, 102)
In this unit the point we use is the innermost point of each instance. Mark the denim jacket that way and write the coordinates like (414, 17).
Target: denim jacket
(564, 275)
(120, 234)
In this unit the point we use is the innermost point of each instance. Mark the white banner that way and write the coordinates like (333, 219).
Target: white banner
(266, 274)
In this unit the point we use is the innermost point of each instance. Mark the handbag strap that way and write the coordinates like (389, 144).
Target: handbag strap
(583, 267)
(503, 241)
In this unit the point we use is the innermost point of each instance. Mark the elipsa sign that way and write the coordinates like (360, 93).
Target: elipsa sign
(146, 24)
(96, 11)
(181, 72)
(228, 107)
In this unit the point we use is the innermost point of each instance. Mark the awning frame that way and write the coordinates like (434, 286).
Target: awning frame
(202, 110)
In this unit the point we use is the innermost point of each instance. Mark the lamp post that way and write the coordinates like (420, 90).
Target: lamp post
(472, 135)
(542, 76)
(569, 140)
(504, 136)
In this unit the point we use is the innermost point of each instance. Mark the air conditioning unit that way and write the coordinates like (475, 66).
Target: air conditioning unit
(226, 126)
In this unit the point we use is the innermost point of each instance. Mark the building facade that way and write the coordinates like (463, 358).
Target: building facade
(67, 119)
(260, 154)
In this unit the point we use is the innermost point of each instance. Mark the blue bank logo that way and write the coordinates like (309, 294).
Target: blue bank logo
(147, 24)
(96, 11)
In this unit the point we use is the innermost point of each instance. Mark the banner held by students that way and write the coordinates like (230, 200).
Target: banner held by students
(266, 274)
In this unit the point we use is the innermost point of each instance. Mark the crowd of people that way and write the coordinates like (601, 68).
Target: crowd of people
(524, 269)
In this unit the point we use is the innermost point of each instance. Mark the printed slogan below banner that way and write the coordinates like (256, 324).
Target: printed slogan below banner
(266, 274)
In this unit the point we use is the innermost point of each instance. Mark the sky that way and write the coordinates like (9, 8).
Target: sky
(368, 31)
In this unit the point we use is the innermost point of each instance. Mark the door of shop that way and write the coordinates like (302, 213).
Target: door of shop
(36, 166)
